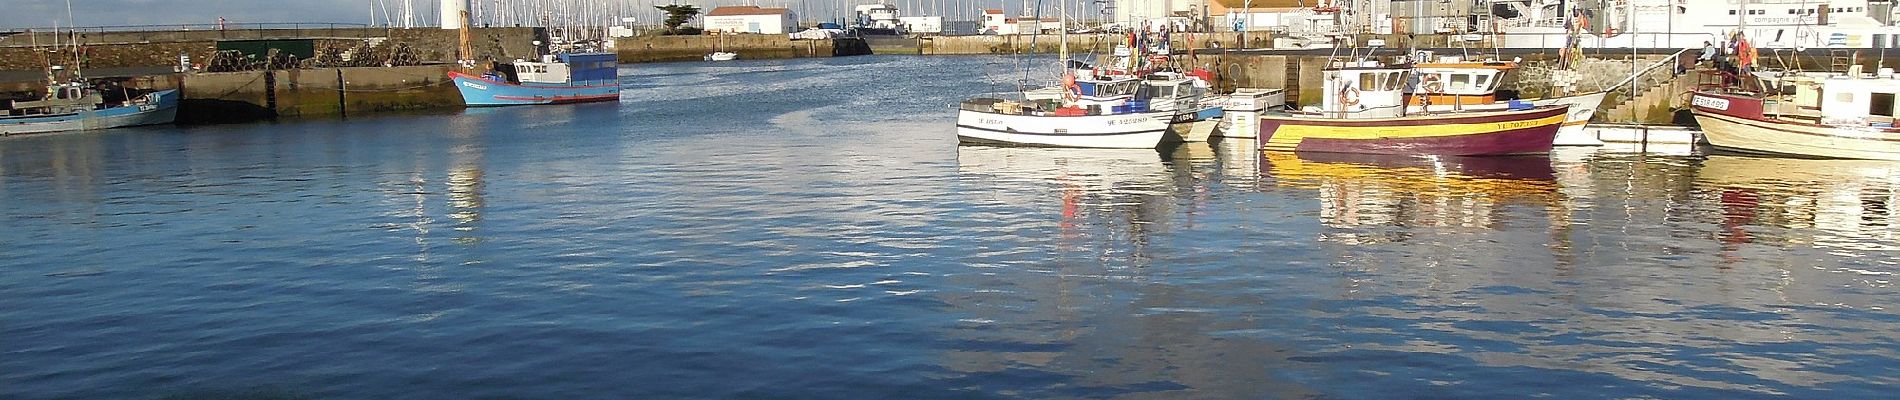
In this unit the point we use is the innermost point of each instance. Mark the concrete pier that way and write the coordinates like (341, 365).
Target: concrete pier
(749, 46)
(253, 95)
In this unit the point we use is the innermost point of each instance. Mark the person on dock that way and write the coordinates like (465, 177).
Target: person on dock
(1708, 53)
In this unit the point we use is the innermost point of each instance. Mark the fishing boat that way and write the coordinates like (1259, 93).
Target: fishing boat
(1093, 108)
(1094, 112)
(1365, 112)
(1845, 116)
(554, 79)
(1240, 116)
(79, 107)
(1197, 113)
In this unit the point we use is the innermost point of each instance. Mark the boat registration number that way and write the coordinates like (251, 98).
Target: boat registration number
(147, 107)
(1710, 102)
(476, 86)
(1127, 121)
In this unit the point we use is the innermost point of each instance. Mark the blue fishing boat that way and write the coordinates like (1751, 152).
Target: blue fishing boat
(77, 107)
(555, 79)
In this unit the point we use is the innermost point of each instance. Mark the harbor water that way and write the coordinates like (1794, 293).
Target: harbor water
(811, 229)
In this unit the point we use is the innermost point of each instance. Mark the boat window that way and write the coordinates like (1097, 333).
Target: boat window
(1481, 81)
(1393, 80)
(1460, 81)
(1368, 81)
(1882, 105)
(60, 94)
(1844, 98)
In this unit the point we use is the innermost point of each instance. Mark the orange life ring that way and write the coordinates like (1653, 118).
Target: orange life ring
(1349, 96)
(1069, 88)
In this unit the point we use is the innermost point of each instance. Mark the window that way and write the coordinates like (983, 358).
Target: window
(1460, 81)
(1482, 80)
(1790, 11)
(1882, 105)
(1368, 81)
(1731, 12)
(1844, 98)
(1394, 80)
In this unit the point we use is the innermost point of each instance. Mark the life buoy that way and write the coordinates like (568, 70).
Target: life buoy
(1349, 96)
(1070, 89)
(1432, 85)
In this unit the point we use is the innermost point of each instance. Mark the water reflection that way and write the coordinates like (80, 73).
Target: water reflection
(1403, 191)
(1846, 204)
(1123, 190)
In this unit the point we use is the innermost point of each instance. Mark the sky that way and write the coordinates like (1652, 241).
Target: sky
(21, 14)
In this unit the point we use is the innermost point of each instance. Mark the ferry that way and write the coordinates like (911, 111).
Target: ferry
(554, 79)
(1781, 24)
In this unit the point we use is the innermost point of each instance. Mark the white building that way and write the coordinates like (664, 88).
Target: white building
(930, 25)
(997, 23)
(751, 19)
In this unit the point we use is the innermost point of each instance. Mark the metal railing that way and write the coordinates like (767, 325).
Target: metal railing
(213, 26)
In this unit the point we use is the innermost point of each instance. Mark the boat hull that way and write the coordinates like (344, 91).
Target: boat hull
(1197, 126)
(161, 108)
(1734, 123)
(482, 92)
(1120, 131)
(1583, 107)
(1463, 134)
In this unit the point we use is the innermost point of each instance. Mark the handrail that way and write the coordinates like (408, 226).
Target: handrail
(1672, 58)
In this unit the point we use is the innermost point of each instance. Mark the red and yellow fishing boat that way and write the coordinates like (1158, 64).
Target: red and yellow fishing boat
(1365, 112)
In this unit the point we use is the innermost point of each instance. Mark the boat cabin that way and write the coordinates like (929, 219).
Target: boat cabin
(1172, 91)
(1452, 82)
(60, 99)
(1365, 89)
(1848, 101)
(568, 69)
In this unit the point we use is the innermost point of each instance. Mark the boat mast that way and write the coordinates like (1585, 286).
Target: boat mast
(1063, 52)
(77, 75)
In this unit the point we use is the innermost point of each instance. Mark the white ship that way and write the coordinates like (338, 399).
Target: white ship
(1800, 24)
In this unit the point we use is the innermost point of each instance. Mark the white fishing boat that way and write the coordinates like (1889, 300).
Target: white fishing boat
(1100, 113)
(1091, 109)
(1197, 112)
(1240, 116)
(1854, 119)
(722, 56)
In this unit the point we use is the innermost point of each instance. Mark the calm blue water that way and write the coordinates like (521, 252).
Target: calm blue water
(810, 229)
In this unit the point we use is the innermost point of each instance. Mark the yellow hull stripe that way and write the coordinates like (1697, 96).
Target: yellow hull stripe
(1290, 135)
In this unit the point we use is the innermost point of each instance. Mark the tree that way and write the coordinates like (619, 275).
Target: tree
(678, 14)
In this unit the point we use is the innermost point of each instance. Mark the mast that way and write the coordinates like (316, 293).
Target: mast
(1063, 52)
(75, 28)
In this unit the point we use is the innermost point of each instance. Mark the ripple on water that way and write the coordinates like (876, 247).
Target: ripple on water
(830, 240)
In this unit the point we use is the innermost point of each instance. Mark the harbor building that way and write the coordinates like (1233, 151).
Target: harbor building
(751, 19)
